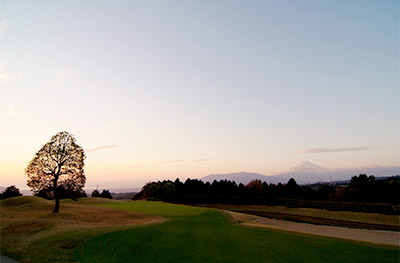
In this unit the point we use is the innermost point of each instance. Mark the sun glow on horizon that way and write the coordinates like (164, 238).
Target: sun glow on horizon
(187, 89)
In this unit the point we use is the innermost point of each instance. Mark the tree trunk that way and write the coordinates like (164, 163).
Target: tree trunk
(57, 206)
(55, 191)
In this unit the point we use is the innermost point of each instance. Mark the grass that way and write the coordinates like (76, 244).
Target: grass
(156, 208)
(100, 230)
(368, 218)
(30, 232)
(199, 235)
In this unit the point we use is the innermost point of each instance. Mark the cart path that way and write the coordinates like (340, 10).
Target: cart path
(373, 236)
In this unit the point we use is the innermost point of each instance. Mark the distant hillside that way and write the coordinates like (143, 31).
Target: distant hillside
(25, 192)
(112, 190)
(306, 173)
(242, 177)
(122, 196)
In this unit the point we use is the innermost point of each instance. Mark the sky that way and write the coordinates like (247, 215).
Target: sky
(156, 90)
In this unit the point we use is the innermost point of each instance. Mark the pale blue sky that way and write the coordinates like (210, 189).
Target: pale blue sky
(189, 88)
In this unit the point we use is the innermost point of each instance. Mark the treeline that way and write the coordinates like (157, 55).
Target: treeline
(104, 194)
(362, 188)
(9, 192)
(365, 188)
(64, 193)
(71, 194)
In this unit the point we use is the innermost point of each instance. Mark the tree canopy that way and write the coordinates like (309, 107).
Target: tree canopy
(10, 191)
(362, 188)
(57, 168)
(104, 194)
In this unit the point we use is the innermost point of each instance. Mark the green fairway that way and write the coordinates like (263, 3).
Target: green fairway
(200, 235)
(157, 208)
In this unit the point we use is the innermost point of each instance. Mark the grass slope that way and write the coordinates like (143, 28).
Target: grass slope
(391, 221)
(30, 232)
(156, 208)
(195, 235)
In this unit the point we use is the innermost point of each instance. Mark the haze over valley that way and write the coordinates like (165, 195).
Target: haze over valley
(306, 173)
(189, 89)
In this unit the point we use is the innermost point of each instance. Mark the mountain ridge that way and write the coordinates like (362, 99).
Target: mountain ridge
(306, 173)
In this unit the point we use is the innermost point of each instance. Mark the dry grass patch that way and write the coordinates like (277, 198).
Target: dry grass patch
(373, 236)
(369, 218)
(27, 221)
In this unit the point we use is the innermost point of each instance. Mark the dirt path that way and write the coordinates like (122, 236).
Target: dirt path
(374, 236)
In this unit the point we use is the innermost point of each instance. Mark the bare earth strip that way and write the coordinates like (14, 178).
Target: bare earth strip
(372, 219)
(374, 236)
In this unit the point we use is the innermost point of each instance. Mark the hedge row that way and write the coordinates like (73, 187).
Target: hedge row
(345, 206)
(327, 205)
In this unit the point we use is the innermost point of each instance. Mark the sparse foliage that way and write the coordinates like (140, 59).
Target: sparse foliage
(57, 168)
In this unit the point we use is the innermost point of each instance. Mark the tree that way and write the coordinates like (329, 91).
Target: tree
(150, 190)
(293, 190)
(168, 188)
(57, 167)
(255, 187)
(326, 191)
(360, 181)
(63, 193)
(95, 193)
(106, 194)
(10, 191)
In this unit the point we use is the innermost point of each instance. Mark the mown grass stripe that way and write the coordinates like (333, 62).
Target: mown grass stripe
(200, 235)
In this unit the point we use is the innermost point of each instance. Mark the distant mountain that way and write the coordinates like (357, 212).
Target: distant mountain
(122, 196)
(307, 167)
(306, 173)
(26, 192)
(125, 190)
(242, 177)
(22, 191)
(89, 190)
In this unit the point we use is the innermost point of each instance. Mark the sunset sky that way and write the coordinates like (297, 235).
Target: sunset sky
(163, 89)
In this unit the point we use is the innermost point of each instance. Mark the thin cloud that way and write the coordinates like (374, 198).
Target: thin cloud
(331, 150)
(3, 26)
(174, 161)
(103, 147)
(106, 169)
(15, 111)
(8, 77)
(165, 162)
(135, 166)
(142, 165)
(108, 126)
(61, 77)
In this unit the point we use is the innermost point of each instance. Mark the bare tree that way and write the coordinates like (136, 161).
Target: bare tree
(57, 166)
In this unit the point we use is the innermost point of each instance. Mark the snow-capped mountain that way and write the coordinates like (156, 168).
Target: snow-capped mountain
(306, 172)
